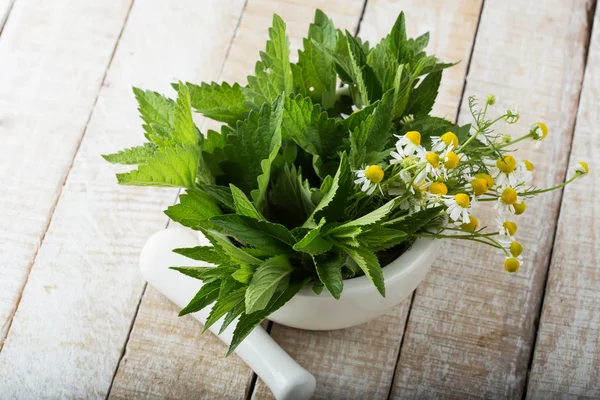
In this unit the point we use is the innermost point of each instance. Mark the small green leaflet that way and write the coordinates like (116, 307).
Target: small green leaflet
(379, 238)
(155, 108)
(203, 253)
(220, 194)
(222, 102)
(236, 254)
(205, 296)
(265, 281)
(224, 305)
(423, 96)
(413, 222)
(332, 205)
(133, 155)
(273, 74)
(362, 73)
(184, 131)
(172, 167)
(267, 236)
(367, 261)
(243, 206)
(206, 274)
(248, 322)
(329, 270)
(290, 197)
(193, 209)
(232, 315)
(244, 273)
(313, 242)
(374, 216)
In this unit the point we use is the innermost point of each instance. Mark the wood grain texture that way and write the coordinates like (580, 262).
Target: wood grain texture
(54, 57)
(359, 362)
(76, 310)
(157, 365)
(567, 353)
(5, 8)
(471, 328)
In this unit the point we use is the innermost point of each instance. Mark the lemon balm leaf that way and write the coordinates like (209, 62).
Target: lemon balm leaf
(133, 155)
(265, 281)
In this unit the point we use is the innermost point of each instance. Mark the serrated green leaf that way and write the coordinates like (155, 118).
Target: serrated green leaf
(345, 235)
(155, 108)
(397, 39)
(243, 206)
(329, 270)
(232, 315)
(363, 75)
(172, 167)
(264, 235)
(222, 102)
(333, 204)
(411, 223)
(374, 216)
(193, 209)
(252, 149)
(290, 197)
(236, 254)
(403, 84)
(314, 74)
(384, 64)
(248, 322)
(206, 274)
(202, 253)
(184, 130)
(314, 242)
(379, 238)
(244, 273)
(220, 194)
(273, 74)
(368, 263)
(223, 305)
(133, 155)
(309, 126)
(265, 281)
(423, 97)
(205, 296)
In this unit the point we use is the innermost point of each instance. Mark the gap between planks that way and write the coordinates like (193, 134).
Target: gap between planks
(538, 312)
(11, 316)
(137, 309)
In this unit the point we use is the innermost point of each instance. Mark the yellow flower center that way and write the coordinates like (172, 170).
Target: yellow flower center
(438, 188)
(509, 196)
(488, 179)
(471, 226)
(462, 200)
(451, 160)
(450, 138)
(510, 227)
(414, 137)
(355, 111)
(520, 208)
(516, 249)
(585, 166)
(374, 173)
(433, 159)
(512, 264)
(542, 126)
(506, 164)
(480, 186)
(528, 165)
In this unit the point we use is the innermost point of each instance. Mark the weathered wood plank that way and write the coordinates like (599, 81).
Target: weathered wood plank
(567, 354)
(472, 327)
(359, 362)
(200, 369)
(5, 8)
(54, 57)
(83, 290)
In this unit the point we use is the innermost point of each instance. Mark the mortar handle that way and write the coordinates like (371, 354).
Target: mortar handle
(284, 376)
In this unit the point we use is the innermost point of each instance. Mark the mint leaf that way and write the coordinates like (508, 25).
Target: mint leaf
(333, 204)
(290, 197)
(314, 242)
(222, 102)
(235, 254)
(379, 238)
(423, 96)
(273, 74)
(411, 223)
(133, 155)
(248, 321)
(309, 126)
(244, 274)
(205, 274)
(267, 236)
(252, 149)
(194, 208)
(368, 263)
(384, 64)
(329, 270)
(205, 296)
(155, 108)
(171, 167)
(220, 194)
(202, 253)
(265, 281)
(314, 74)
(397, 40)
(363, 75)
(224, 304)
(232, 315)
(184, 130)
(243, 206)
(403, 83)
(374, 216)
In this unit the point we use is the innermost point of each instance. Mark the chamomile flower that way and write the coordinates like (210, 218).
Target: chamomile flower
(509, 196)
(470, 226)
(370, 178)
(581, 168)
(440, 143)
(505, 172)
(408, 144)
(507, 229)
(458, 208)
(525, 171)
(432, 163)
(512, 264)
(414, 196)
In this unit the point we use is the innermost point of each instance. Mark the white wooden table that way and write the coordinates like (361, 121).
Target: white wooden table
(76, 319)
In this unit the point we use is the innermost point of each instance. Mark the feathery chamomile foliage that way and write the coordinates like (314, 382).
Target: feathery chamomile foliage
(309, 183)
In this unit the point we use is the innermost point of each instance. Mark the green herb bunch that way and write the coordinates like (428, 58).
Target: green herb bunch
(324, 169)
